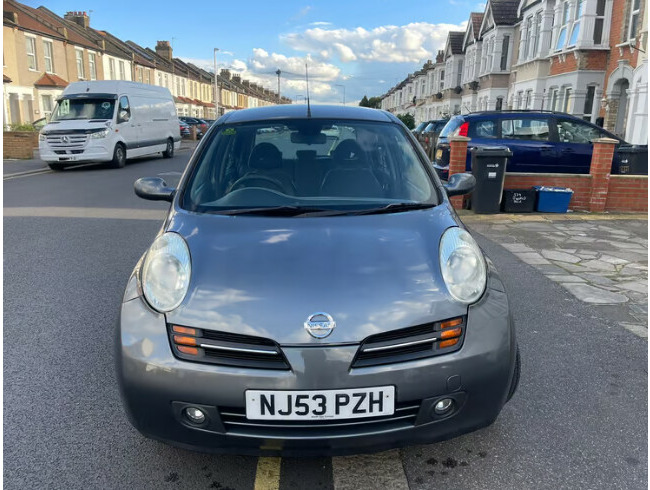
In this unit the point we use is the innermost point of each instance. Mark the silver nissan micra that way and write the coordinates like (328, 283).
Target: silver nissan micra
(312, 291)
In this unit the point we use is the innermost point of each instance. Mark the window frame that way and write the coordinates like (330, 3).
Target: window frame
(632, 21)
(92, 65)
(79, 62)
(50, 44)
(31, 41)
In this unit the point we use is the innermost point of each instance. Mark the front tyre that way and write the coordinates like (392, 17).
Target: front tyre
(119, 156)
(169, 151)
(56, 166)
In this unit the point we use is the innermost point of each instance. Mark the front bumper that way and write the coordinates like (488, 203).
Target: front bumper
(156, 387)
(91, 153)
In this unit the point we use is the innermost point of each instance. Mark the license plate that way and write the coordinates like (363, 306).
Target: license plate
(438, 154)
(316, 405)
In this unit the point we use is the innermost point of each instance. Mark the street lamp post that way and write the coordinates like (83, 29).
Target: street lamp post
(216, 86)
(339, 85)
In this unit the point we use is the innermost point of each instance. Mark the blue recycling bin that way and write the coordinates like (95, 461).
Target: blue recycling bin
(553, 199)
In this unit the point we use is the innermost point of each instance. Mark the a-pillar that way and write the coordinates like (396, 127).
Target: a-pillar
(601, 167)
(457, 163)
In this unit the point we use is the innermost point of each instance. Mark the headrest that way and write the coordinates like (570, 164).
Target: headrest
(265, 156)
(348, 151)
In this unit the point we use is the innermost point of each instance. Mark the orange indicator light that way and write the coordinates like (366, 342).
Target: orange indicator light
(448, 334)
(188, 350)
(185, 330)
(184, 340)
(451, 323)
(448, 343)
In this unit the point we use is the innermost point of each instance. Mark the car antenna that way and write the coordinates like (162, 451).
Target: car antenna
(307, 78)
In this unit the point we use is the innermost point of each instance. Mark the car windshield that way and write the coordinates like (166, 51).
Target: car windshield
(451, 126)
(314, 165)
(67, 109)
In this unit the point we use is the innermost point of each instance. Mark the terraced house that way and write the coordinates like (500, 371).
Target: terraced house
(44, 52)
(583, 57)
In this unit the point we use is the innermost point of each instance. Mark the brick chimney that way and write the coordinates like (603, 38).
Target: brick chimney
(79, 18)
(164, 50)
(246, 83)
(225, 74)
(236, 78)
(440, 57)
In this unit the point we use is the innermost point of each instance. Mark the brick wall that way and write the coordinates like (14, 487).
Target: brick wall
(580, 184)
(586, 60)
(19, 144)
(627, 193)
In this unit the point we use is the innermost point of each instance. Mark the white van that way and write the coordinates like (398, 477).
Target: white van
(109, 121)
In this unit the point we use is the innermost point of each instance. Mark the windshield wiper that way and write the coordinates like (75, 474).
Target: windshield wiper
(274, 211)
(395, 207)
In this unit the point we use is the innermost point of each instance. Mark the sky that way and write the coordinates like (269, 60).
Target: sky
(352, 48)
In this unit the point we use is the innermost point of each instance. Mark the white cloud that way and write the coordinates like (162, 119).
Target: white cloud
(344, 52)
(411, 43)
(320, 24)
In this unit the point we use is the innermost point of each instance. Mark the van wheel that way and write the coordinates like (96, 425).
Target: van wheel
(169, 152)
(55, 166)
(119, 156)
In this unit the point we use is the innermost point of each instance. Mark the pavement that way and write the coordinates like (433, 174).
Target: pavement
(600, 259)
(17, 168)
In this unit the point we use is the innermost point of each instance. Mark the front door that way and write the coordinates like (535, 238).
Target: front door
(127, 126)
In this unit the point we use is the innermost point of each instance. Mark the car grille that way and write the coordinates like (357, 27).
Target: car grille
(226, 349)
(236, 423)
(67, 141)
(408, 344)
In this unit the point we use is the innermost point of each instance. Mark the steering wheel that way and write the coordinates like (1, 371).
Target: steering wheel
(263, 181)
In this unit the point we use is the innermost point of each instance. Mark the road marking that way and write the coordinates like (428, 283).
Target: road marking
(27, 173)
(94, 213)
(370, 471)
(267, 476)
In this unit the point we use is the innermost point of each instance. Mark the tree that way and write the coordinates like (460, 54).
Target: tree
(374, 102)
(407, 119)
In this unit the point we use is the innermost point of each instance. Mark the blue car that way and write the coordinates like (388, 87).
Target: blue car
(541, 142)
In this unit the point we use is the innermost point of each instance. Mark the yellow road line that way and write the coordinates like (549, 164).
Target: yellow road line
(267, 476)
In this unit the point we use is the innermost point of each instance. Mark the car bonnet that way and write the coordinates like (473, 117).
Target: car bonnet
(265, 276)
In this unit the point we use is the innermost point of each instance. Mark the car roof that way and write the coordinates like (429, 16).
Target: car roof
(299, 111)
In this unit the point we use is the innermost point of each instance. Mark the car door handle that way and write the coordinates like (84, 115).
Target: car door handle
(568, 150)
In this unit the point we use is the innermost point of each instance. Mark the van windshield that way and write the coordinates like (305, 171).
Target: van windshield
(68, 109)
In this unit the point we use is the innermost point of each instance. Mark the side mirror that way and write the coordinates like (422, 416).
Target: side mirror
(123, 116)
(153, 189)
(460, 184)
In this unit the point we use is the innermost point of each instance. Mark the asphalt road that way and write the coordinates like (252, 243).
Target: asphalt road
(579, 419)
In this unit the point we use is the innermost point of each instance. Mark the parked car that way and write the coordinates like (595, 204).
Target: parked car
(312, 293)
(185, 128)
(418, 129)
(429, 136)
(201, 126)
(549, 142)
(109, 121)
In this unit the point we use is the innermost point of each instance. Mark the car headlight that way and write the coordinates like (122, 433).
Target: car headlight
(463, 265)
(101, 134)
(166, 272)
